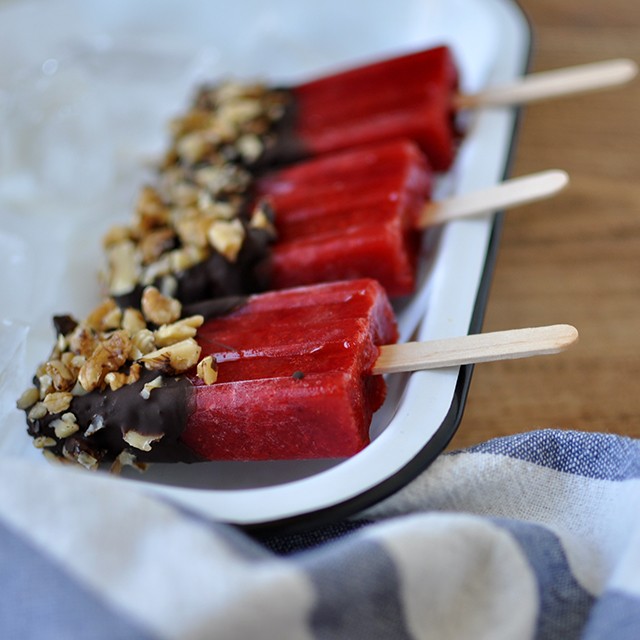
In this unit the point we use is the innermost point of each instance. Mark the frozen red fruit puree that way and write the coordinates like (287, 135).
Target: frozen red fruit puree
(349, 215)
(409, 96)
(279, 375)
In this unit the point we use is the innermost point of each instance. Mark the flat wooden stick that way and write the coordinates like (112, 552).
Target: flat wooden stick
(472, 349)
(553, 84)
(509, 193)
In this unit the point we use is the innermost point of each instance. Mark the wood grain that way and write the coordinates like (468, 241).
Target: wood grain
(576, 258)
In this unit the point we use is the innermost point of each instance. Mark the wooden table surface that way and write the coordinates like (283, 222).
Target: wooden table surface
(576, 258)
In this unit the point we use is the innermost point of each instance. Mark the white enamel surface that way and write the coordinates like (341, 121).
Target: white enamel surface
(281, 41)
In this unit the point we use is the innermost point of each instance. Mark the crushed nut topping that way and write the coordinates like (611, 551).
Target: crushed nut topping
(126, 459)
(140, 440)
(43, 441)
(227, 238)
(65, 426)
(108, 351)
(175, 358)
(96, 424)
(169, 334)
(207, 370)
(158, 308)
(57, 401)
(156, 383)
(206, 177)
(28, 398)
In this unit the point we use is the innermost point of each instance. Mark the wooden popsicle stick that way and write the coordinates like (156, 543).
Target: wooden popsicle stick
(553, 84)
(509, 193)
(472, 349)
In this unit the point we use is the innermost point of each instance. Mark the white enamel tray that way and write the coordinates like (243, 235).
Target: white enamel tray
(87, 105)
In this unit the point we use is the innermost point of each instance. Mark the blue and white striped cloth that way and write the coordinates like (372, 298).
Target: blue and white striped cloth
(530, 536)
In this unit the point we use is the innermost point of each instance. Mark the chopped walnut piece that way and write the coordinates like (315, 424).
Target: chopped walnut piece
(159, 268)
(115, 380)
(109, 355)
(107, 315)
(52, 457)
(169, 286)
(227, 237)
(61, 377)
(156, 383)
(151, 211)
(45, 382)
(226, 178)
(87, 461)
(118, 379)
(260, 220)
(232, 90)
(44, 441)
(192, 147)
(173, 359)
(140, 440)
(65, 426)
(61, 343)
(181, 193)
(186, 257)
(159, 309)
(28, 398)
(209, 207)
(142, 342)
(78, 390)
(38, 411)
(207, 370)
(126, 459)
(193, 230)
(124, 267)
(177, 331)
(250, 147)
(133, 321)
(95, 425)
(83, 341)
(154, 244)
(115, 235)
(73, 363)
(57, 401)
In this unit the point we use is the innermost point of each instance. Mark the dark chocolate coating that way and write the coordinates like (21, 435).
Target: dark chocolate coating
(217, 277)
(282, 145)
(164, 414)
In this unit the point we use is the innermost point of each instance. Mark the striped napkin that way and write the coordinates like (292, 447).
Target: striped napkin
(530, 536)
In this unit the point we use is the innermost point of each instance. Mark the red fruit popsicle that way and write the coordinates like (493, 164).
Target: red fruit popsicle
(354, 214)
(361, 213)
(408, 96)
(292, 381)
(348, 215)
(412, 96)
(297, 383)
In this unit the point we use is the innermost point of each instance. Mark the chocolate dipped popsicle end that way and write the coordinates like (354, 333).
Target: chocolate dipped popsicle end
(96, 400)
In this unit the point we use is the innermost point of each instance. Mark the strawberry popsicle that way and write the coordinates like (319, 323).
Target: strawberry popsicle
(410, 96)
(407, 96)
(347, 215)
(280, 375)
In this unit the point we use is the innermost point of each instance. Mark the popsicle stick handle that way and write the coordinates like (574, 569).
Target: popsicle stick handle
(554, 84)
(509, 193)
(472, 349)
